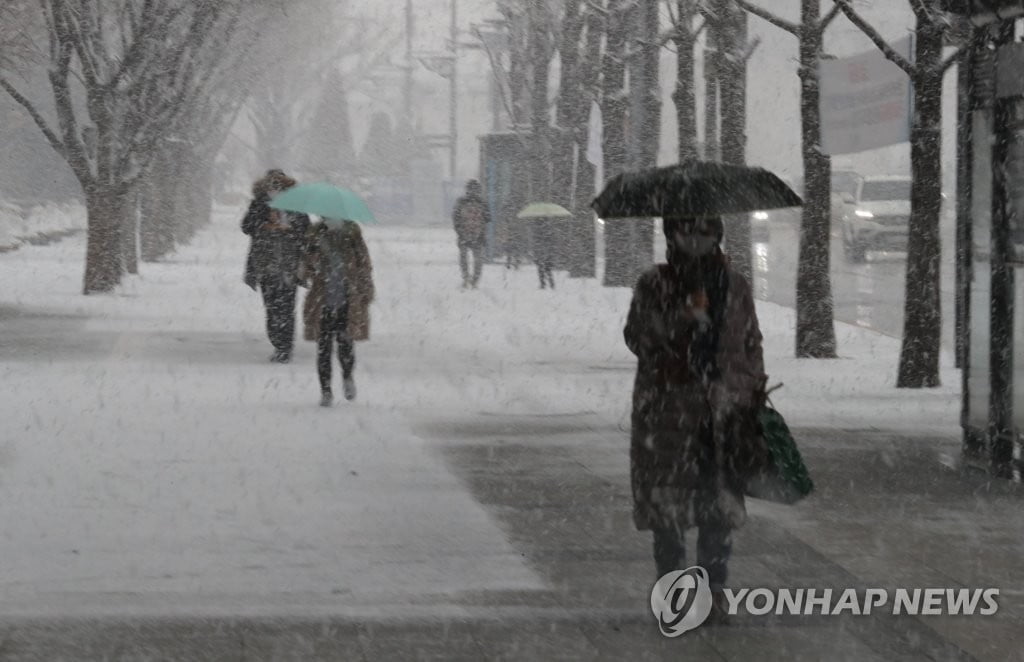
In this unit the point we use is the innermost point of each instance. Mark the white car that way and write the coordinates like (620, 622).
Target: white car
(879, 217)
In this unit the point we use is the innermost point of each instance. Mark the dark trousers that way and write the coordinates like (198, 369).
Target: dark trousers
(544, 270)
(714, 534)
(334, 328)
(279, 301)
(714, 546)
(478, 264)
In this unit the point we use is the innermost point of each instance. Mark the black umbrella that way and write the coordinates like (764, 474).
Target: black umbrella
(693, 188)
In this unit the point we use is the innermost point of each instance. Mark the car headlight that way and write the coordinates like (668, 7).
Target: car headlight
(863, 213)
(760, 216)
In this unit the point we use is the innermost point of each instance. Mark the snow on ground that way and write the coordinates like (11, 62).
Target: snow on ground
(151, 458)
(19, 226)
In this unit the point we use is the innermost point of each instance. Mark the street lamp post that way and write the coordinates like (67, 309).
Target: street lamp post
(445, 65)
(453, 86)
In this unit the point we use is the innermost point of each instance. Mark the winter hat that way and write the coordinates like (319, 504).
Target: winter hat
(274, 180)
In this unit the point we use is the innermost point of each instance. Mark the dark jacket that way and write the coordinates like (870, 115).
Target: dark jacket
(272, 253)
(545, 240)
(470, 218)
(684, 409)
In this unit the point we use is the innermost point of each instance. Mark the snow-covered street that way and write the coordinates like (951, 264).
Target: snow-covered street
(153, 463)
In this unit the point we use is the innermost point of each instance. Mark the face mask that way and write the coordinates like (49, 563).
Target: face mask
(695, 244)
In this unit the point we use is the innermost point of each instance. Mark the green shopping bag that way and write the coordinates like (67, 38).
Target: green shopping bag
(786, 479)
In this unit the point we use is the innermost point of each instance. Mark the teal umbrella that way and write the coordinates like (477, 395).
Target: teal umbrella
(331, 202)
(544, 210)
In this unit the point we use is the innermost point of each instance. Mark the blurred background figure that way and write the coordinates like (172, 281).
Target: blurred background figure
(470, 219)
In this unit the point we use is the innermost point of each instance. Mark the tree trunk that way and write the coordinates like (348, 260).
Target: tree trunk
(204, 193)
(519, 66)
(711, 145)
(584, 232)
(159, 212)
(540, 179)
(922, 332)
(647, 125)
(103, 267)
(540, 119)
(130, 233)
(815, 328)
(571, 98)
(964, 173)
(733, 80)
(618, 254)
(683, 96)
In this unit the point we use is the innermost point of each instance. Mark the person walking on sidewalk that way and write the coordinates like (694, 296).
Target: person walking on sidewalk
(471, 218)
(544, 250)
(699, 384)
(337, 308)
(275, 249)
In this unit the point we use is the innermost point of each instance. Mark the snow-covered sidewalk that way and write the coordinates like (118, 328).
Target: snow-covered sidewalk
(153, 461)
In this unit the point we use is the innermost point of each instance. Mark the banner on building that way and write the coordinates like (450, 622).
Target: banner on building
(866, 101)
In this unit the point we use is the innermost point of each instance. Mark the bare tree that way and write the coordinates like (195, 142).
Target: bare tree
(614, 108)
(120, 71)
(343, 49)
(541, 50)
(517, 20)
(727, 72)
(571, 113)
(644, 118)
(682, 15)
(18, 24)
(176, 192)
(922, 324)
(584, 264)
(815, 329)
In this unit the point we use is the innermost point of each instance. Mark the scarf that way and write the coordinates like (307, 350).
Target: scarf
(704, 282)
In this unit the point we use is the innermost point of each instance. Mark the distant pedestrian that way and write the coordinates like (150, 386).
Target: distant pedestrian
(471, 218)
(275, 249)
(544, 250)
(699, 384)
(337, 308)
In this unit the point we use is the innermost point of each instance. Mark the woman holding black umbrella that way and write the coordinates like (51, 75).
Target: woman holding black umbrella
(699, 385)
(696, 442)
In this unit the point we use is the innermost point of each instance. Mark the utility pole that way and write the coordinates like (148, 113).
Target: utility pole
(407, 92)
(453, 86)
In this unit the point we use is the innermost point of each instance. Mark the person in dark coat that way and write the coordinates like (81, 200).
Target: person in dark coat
(339, 264)
(276, 245)
(544, 250)
(471, 218)
(699, 384)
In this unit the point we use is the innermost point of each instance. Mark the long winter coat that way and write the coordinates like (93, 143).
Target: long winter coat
(677, 415)
(359, 290)
(470, 219)
(272, 254)
(545, 240)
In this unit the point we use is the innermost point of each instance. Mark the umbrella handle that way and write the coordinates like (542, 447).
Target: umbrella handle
(769, 391)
